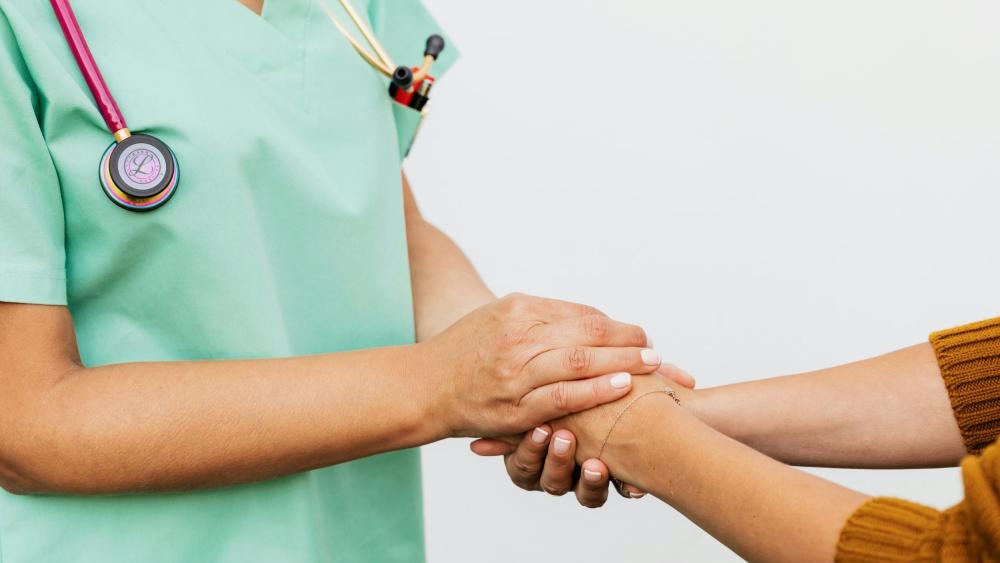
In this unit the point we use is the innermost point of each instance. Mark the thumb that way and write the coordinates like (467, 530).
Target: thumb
(489, 447)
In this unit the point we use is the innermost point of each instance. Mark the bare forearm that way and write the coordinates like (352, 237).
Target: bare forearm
(889, 411)
(181, 425)
(760, 508)
(186, 425)
(446, 286)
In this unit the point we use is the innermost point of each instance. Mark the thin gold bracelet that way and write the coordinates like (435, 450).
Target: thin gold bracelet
(620, 485)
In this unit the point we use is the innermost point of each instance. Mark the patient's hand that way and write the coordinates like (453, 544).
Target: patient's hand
(546, 459)
(594, 426)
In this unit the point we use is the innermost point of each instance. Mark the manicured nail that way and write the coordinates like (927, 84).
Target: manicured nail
(637, 495)
(539, 436)
(591, 475)
(621, 381)
(650, 357)
(561, 445)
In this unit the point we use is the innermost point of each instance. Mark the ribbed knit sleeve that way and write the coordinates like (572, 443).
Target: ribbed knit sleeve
(886, 529)
(969, 357)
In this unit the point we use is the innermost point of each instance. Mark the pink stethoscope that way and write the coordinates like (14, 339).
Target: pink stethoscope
(139, 172)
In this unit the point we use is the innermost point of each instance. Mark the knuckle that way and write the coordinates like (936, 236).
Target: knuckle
(596, 326)
(579, 359)
(507, 372)
(584, 309)
(517, 304)
(596, 388)
(639, 336)
(555, 490)
(522, 469)
(560, 396)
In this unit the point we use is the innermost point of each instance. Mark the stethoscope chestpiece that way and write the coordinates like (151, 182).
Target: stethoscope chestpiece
(139, 172)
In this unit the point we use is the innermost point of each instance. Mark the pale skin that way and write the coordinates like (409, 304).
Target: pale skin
(707, 457)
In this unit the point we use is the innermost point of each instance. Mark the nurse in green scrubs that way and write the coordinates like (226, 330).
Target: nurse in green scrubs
(241, 374)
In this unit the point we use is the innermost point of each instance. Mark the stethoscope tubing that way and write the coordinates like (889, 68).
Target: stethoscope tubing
(88, 67)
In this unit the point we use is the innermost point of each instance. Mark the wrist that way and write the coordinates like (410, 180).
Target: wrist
(639, 434)
(430, 388)
(709, 406)
(723, 410)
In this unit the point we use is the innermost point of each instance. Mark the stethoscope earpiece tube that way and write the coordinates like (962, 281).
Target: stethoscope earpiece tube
(407, 86)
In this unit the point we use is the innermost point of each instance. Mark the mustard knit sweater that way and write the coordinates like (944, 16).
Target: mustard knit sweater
(886, 529)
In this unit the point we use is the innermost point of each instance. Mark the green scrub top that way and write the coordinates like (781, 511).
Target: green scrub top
(286, 237)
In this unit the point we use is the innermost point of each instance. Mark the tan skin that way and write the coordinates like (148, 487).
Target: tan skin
(256, 6)
(551, 469)
(709, 457)
(698, 457)
(505, 367)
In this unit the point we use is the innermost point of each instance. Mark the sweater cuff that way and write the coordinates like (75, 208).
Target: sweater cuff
(969, 357)
(887, 529)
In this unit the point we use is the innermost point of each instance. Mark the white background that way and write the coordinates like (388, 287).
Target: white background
(768, 187)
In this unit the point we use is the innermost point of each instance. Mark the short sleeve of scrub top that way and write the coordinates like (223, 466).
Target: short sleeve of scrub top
(32, 259)
(285, 238)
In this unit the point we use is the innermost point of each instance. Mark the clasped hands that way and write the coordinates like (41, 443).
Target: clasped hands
(538, 362)
(562, 455)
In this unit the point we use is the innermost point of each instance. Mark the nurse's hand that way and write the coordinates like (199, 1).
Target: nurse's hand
(516, 363)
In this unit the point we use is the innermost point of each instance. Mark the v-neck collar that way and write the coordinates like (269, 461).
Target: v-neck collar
(270, 47)
(282, 24)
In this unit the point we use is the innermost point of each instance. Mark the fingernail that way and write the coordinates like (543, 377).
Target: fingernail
(561, 445)
(539, 436)
(637, 495)
(621, 381)
(592, 476)
(650, 357)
